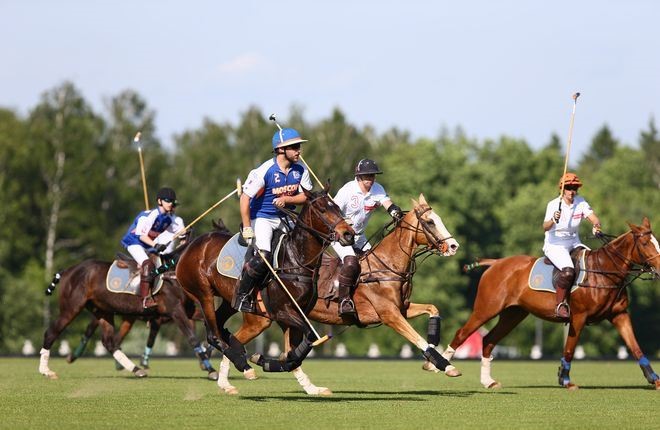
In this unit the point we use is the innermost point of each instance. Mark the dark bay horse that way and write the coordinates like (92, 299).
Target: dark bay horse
(320, 222)
(84, 286)
(125, 327)
(504, 292)
(382, 294)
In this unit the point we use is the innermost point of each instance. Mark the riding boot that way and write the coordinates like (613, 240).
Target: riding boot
(564, 283)
(253, 275)
(348, 275)
(146, 280)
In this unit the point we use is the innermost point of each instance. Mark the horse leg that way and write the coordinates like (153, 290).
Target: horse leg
(433, 330)
(186, 326)
(154, 328)
(106, 321)
(69, 309)
(298, 373)
(294, 357)
(84, 340)
(624, 327)
(124, 328)
(509, 319)
(575, 327)
(391, 316)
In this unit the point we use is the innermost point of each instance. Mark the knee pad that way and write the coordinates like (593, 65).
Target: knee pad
(256, 266)
(350, 270)
(567, 274)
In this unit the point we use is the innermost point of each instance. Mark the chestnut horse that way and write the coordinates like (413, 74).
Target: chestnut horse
(320, 222)
(504, 292)
(84, 286)
(382, 294)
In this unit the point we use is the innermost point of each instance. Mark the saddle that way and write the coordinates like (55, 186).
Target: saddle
(543, 272)
(124, 276)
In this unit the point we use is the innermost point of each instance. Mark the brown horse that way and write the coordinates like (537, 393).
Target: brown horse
(382, 294)
(320, 222)
(125, 327)
(504, 292)
(84, 286)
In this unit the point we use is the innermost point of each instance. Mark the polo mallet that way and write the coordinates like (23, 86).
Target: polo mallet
(319, 340)
(568, 146)
(136, 140)
(238, 191)
(272, 118)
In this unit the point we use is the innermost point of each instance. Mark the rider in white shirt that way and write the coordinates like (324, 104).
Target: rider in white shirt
(357, 199)
(562, 219)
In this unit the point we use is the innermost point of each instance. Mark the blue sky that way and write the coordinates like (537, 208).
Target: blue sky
(492, 67)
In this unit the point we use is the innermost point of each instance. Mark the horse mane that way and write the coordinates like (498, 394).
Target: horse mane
(220, 226)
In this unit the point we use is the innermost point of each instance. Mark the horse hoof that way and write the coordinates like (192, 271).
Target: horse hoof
(430, 367)
(254, 358)
(657, 384)
(452, 372)
(571, 387)
(140, 373)
(495, 385)
(231, 390)
(51, 375)
(70, 359)
(250, 375)
(324, 391)
(212, 376)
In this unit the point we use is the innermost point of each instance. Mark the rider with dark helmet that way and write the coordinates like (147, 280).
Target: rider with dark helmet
(562, 219)
(152, 230)
(273, 185)
(357, 199)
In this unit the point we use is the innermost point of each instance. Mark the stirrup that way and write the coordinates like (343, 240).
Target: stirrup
(244, 303)
(149, 302)
(563, 305)
(347, 307)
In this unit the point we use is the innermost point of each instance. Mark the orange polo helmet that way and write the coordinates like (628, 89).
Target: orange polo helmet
(569, 179)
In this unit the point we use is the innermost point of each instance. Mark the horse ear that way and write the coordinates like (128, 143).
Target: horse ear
(326, 188)
(307, 192)
(415, 204)
(632, 226)
(646, 223)
(422, 200)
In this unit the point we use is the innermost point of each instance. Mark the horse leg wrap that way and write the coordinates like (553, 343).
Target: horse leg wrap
(144, 361)
(564, 373)
(78, 352)
(293, 360)
(203, 358)
(235, 351)
(434, 357)
(647, 370)
(433, 333)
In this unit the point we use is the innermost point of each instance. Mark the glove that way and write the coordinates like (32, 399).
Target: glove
(248, 234)
(160, 247)
(596, 230)
(556, 216)
(395, 212)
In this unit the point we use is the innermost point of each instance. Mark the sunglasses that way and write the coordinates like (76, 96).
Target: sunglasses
(170, 201)
(294, 147)
(571, 187)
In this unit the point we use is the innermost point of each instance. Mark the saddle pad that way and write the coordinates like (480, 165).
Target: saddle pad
(123, 280)
(540, 277)
(232, 256)
(230, 260)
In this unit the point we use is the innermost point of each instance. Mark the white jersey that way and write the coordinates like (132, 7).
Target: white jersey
(358, 206)
(565, 233)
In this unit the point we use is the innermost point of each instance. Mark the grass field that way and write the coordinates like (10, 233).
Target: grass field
(374, 394)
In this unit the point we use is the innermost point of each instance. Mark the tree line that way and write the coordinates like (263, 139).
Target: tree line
(71, 181)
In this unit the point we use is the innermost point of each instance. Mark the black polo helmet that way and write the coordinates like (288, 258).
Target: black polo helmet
(367, 167)
(167, 193)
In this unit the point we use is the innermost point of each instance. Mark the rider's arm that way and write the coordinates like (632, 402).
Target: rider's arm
(548, 221)
(298, 199)
(244, 207)
(595, 221)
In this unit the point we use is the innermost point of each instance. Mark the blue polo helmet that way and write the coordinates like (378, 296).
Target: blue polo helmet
(286, 137)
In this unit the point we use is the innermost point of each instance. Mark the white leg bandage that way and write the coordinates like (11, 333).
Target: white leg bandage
(486, 379)
(123, 360)
(43, 363)
(223, 377)
(307, 385)
(448, 353)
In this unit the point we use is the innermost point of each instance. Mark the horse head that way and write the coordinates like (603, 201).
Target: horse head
(322, 217)
(646, 250)
(429, 228)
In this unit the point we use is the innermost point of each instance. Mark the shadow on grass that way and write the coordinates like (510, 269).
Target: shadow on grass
(371, 396)
(584, 387)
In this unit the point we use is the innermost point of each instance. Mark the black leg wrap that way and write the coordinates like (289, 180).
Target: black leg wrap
(235, 351)
(434, 357)
(293, 360)
(433, 334)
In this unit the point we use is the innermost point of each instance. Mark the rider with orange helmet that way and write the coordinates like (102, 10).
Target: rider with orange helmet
(562, 219)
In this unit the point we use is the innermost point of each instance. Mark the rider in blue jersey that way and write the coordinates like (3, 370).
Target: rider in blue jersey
(274, 185)
(152, 229)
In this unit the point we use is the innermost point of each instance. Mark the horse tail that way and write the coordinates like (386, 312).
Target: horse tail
(53, 284)
(479, 262)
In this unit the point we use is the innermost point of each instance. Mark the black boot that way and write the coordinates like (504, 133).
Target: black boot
(564, 284)
(146, 280)
(348, 275)
(253, 275)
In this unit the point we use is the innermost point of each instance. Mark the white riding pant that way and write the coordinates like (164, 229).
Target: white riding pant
(138, 253)
(360, 243)
(263, 231)
(559, 255)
